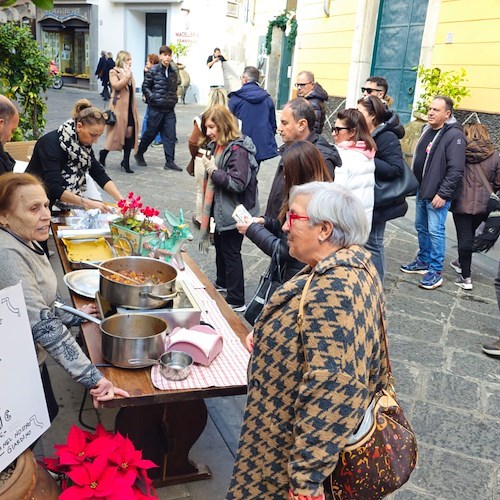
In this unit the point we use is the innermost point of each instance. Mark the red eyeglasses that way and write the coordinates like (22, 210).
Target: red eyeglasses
(290, 217)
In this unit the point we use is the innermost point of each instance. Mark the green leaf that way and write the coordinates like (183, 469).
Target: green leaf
(44, 4)
(7, 3)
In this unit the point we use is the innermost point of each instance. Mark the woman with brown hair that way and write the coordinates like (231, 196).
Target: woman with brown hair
(469, 206)
(357, 150)
(302, 163)
(230, 180)
(386, 130)
(62, 157)
(123, 135)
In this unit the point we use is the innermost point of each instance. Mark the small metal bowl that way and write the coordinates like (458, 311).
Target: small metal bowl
(175, 365)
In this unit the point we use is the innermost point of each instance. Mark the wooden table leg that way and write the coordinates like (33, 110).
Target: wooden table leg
(165, 433)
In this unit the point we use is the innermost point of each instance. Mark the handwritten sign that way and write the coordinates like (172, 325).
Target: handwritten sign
(23, 410)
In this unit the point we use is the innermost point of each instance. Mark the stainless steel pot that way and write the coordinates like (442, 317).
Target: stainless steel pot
(174, 365)
(126, 336)
(148, 296)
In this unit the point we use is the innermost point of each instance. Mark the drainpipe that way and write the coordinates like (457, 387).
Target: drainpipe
(326, 7)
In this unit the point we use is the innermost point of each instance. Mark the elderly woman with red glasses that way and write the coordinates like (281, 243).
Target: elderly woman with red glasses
(309, 389)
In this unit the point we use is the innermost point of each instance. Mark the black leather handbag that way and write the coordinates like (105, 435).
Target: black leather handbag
(268, 283)
(110, 117)
(388, 191)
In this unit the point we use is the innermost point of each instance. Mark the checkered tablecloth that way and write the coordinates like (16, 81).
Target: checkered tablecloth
(229, 368)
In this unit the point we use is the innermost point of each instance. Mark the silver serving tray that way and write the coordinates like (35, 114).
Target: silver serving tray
(84, 282)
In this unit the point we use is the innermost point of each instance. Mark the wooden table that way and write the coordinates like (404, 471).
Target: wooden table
(163, 424)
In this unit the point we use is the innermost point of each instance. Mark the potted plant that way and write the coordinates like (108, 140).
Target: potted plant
(136, 224)
(435, 81)
(100, 465)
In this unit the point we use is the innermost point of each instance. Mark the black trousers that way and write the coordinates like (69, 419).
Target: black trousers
(163, 122)
(229, 265)
(466, 225)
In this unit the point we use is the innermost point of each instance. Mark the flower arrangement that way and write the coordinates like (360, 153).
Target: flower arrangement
(135, 216)
(100, 465)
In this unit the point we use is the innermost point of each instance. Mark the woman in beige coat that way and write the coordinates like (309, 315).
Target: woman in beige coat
(124, 134)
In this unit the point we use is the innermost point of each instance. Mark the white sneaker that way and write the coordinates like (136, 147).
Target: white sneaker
(465, 283)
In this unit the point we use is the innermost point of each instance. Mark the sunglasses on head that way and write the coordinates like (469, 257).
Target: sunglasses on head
(369, 90)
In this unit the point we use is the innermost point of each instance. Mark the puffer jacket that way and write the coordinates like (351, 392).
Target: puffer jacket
(255, 108)
(389, 164)
(445, 162)
(472, 197)
(161, 92)
(317, 97)
(235, 182)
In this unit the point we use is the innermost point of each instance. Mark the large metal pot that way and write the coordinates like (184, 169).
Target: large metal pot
(126, 336)
(148, 296)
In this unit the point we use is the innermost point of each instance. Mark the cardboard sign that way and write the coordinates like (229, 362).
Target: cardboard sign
(23, 410)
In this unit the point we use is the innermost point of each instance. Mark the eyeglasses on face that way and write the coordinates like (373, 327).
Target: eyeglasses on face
(336, 130)
(369, 90)
(299, 85)
(290, 217)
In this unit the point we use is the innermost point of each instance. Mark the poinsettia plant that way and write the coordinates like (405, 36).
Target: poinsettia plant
(100, 465)
(136, 216)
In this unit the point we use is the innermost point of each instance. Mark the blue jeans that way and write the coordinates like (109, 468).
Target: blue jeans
(144, 123)
(430, 226)
(163, 122)
(375, 245)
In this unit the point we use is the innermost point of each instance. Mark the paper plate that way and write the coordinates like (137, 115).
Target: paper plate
(84, 282)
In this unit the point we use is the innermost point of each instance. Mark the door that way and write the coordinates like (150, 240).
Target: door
(398, 41)
(285, 73)
(156, 32)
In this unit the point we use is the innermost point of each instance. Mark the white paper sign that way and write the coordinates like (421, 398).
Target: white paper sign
(23, 410)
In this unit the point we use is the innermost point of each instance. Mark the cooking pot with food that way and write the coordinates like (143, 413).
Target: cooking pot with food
(157, 280)
(126, 336)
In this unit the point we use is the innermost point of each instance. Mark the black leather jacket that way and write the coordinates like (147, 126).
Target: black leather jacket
(159, 90)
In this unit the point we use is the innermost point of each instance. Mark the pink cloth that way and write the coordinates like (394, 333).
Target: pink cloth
(228, 369)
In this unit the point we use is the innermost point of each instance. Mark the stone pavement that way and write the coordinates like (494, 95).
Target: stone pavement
(449, 389)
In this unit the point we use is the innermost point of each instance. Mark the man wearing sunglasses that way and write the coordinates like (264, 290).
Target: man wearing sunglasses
(315, 94)
(296, 124)
(376, 86)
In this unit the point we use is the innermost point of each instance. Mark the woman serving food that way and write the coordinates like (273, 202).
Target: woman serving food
(62, 157)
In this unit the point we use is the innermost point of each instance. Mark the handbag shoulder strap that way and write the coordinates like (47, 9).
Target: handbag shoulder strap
(300, 322)
(486, 183)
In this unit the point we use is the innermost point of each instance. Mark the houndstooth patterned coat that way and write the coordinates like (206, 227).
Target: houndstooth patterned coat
(300, 414)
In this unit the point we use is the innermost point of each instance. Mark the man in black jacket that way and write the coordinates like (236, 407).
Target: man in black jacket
(9, 121)
(296, 124)
(438, 164)
(315, 94)
(160, 90)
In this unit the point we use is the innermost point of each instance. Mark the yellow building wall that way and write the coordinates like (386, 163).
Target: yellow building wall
(324, 44)
(474, 29)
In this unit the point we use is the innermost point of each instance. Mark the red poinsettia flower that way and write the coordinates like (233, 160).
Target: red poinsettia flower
(129, 461)
(78, 447)
(92, 480)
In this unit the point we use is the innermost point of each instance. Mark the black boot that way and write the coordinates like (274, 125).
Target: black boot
(102, 156)
(127, 148)
(139, 158)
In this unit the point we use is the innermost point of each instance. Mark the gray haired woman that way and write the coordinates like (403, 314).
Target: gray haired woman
(337, 361)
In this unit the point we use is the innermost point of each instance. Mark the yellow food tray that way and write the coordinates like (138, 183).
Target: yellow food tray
(94, 250)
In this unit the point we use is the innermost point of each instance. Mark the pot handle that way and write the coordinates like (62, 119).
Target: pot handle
(158, 297)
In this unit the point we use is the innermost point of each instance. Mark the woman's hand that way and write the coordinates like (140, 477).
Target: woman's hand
(243, 226)
(209, 165)
(103, 207)
(104, 390)
(249, 342)
(90, 309)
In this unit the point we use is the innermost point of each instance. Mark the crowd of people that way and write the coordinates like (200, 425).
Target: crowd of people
(321, 215)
